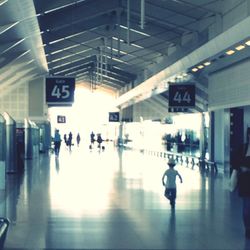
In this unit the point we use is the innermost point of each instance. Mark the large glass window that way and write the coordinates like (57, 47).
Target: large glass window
(181, 136)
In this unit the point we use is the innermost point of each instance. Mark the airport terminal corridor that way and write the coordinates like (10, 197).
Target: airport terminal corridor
(113, 199)
(147, 79)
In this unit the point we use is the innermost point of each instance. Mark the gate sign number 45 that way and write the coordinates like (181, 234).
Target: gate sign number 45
(182, 95)
(60, 90)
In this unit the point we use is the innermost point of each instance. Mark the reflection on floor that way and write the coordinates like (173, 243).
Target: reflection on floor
(114, 200)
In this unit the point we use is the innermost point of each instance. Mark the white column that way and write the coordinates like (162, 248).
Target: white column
(222, 137)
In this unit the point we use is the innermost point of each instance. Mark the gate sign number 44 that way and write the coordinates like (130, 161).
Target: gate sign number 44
(60, 90)
(182, 95)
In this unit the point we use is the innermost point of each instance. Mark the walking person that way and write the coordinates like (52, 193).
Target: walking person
(99, 141)
(57, 142)
(65, 139)
(78, 138)
(70, 137)
(92, 140)
(170, 184)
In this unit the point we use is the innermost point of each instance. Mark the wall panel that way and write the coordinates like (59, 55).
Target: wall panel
(230, 88)
(15, 102)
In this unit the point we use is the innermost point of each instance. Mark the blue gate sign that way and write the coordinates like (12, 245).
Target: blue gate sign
(181, 95)
(114, 116)
(61, 119)
(60, 90)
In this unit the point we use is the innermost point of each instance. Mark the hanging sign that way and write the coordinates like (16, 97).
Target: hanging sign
(60, 90)
(114, 116)
(181, 95)
(61, 119)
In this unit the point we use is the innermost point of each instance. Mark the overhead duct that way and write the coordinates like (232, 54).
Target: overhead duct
(119, 33)
(142, 14)
(128, 22)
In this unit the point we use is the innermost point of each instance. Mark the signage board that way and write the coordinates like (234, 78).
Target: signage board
(114, 117)
(61, 119)
(60, 90)
(181, 95)
(177, 110)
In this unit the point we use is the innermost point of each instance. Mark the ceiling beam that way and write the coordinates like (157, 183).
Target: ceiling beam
(66, 62)
(73, 15)
(80, 28)
(51, 6)
(76, 70)
(6, 27)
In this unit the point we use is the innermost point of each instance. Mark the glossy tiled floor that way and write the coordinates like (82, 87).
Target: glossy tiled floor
(114, 200)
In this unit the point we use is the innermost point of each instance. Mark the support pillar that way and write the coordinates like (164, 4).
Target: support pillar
(202, 139)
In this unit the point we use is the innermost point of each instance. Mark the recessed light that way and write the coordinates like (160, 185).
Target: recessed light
(247, 43)
(200, 67)
(194, 69)
(240, 47)
(207, 63)
(230, 52)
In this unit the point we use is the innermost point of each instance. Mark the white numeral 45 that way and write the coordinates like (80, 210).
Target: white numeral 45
(62, 92)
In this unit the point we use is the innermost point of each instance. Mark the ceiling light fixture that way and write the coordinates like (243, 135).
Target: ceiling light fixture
(116, 38)
(116, 50)
(230, 52)
(200, 67)
(137, 46)
(194, 69)
(136, 31)
(240, 47)
(207, 63)
(247, 43)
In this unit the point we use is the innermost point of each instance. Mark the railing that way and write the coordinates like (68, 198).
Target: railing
(182, 153)
(209, 165)
(4, 225)
(185, 159)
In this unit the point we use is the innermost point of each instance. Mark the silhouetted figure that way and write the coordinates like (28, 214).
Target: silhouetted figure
(65, 139)
(99, 140)
(57, 142)
(92, 138)
(241, 163)
(78, 138)
(170, 184)
(70, 140)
